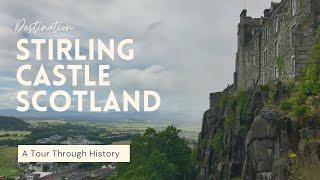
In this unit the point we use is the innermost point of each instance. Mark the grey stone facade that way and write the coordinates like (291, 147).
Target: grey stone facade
(276, 45)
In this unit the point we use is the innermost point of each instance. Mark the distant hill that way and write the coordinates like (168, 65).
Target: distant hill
(115, 116)
(12, 123)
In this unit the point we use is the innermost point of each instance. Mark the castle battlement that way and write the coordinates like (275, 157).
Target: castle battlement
(275, 46)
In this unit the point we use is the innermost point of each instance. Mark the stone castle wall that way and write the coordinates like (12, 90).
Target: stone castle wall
(256, 144)
(276, 45)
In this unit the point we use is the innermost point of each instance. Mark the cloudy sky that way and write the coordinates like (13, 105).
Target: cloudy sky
(184, 49)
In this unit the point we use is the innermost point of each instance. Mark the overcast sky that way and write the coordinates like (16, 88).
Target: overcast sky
(184, 49)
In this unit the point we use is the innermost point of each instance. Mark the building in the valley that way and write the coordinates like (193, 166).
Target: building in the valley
(36, 176)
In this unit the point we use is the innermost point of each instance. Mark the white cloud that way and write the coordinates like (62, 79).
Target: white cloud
(8, 98)
(154, 77)
(5, 79)
(185, 49)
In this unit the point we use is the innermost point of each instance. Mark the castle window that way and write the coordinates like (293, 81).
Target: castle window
(292, 35)
(276, 72)
(263, 79)
(294, 7)
(293, 65)
(276, 47)
(265, 34)
(265, 57)
(276, 24)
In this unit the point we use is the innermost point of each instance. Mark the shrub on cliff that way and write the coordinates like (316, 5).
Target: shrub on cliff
(217, 142)
(225, 100)
(280, 64)
(304, 101)
(227, 123)
(242, 104)
(306, 164)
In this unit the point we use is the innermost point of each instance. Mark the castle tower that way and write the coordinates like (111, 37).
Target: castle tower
(276, 46)
(247, 59)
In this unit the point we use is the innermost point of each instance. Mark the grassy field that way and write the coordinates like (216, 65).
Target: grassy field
(8, 156)
(190, 130)
(37, 123)
(16, 135)
(126, 142)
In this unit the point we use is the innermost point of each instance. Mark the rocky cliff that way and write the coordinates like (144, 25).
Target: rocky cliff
(245, 136)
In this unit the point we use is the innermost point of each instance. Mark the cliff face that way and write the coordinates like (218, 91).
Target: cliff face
(245, 136)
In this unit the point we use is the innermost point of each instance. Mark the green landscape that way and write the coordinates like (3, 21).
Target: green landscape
(15, 135)
(8, 156)
(79, 132)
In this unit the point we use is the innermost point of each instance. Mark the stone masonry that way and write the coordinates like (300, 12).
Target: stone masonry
(276, 45)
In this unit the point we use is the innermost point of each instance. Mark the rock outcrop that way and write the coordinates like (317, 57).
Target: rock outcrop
(245, 137)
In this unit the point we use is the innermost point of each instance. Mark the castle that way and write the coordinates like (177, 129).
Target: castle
(276, 45)
(242, 137)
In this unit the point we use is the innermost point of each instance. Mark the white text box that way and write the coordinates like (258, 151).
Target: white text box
(73, 153)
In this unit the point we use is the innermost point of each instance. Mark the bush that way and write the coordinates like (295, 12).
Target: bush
(217, 142)
(306, 163)
(158, 155)
(225, 100)
(242, 131)
(306, 171)
(225, 172)
(264, 88)
(299, 111)
(280, 64)
(285, 105)
(305, 92)
(228, 121)
(241, 103)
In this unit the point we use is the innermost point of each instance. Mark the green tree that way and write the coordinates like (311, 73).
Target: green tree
(163, 155)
